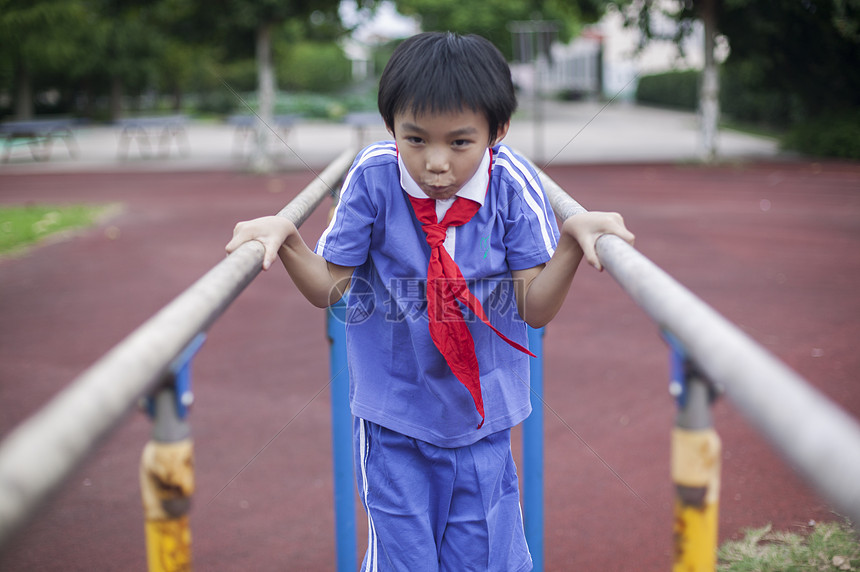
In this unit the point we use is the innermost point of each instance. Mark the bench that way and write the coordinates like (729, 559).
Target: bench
(144, 130)
(246, 126)
(39, 136)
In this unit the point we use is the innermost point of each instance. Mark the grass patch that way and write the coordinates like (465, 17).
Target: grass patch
(822, 547)
(24, 226)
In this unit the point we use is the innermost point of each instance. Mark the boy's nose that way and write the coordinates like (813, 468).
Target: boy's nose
(437, 161)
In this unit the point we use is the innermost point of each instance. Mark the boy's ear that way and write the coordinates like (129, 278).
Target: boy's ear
(503, 130)
(390, 129)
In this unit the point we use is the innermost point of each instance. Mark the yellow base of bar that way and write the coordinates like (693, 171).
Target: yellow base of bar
(695, 538)
(696, 469)
(168, 545)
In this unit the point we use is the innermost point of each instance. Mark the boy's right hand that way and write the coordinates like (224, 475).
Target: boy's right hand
(270, 231)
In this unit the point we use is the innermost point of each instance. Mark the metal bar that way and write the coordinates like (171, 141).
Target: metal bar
(341, 434)
(533, 449)
(817, 438)
(300, 208)
(38, 455)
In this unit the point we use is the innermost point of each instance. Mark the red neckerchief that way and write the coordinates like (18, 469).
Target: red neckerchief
(445, 286)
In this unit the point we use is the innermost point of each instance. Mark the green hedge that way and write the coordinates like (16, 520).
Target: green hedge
(678, 90)
(309, 105)
(837, 136)
(743, 98)
(743, 101)
(314, 67)
(740, 97)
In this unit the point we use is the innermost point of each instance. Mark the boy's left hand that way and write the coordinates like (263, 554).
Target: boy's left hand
(587, 227)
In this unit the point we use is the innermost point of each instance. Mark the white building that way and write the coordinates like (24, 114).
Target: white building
(606, 61)
(622, 65)
(372, 28)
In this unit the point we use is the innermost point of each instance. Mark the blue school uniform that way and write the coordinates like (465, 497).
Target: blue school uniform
(398, 379)
(397, 376)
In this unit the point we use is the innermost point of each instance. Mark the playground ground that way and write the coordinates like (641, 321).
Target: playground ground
(772, 244)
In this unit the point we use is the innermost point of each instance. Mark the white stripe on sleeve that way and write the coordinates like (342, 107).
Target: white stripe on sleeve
(533, 198)
(369, 153)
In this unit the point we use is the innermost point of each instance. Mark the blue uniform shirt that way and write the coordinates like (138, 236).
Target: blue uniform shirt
(398, 379)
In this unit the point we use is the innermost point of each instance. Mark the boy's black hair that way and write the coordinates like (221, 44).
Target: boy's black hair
(439, 72)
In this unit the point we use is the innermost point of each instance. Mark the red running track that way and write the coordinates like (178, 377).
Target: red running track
(775, 247)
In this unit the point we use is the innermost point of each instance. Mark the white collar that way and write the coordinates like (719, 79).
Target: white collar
(475, 188)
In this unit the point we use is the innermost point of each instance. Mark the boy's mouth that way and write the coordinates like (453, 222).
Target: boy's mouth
(439, 192)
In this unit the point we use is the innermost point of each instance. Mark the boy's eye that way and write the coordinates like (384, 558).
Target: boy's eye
(460, 142)
(414, 140)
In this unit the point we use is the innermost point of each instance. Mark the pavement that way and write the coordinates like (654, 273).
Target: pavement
(555, 133)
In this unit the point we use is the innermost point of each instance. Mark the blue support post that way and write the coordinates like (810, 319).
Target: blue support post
(341, 430)
(345, 528)
(533, 455)
(167, 468)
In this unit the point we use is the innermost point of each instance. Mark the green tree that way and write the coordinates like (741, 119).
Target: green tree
(184, 57)
(247, 27)
(88, 48)
(127, 37)
(808, 48)
(642, 13)
(490, 18)
(40, 38)
(804, 53)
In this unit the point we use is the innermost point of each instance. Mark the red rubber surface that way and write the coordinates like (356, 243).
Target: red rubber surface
(772, 246)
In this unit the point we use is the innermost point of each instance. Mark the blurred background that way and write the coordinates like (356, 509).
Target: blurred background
(772, 244)
(790, 70)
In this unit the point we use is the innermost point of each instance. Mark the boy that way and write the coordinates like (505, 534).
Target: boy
(446, 247)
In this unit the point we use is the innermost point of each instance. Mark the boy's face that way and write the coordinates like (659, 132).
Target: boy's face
(442, 151)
